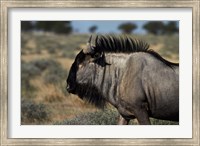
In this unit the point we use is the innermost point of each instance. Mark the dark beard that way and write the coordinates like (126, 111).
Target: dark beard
(91, 94)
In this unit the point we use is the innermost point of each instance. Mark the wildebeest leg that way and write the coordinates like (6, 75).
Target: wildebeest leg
(123, 121)
(142, 117)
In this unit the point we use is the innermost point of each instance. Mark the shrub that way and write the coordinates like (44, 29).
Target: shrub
(27, 90)
(28, 72)
(55, 74)
(162, 122)
(104, 117)
(34, 113)
(51, 50)
(35, 67)
(43, 64)
(69, 54)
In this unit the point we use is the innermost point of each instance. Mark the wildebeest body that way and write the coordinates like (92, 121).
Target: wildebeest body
(151, 86)
(137, 83)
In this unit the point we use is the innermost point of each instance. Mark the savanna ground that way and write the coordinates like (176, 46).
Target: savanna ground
(45, 61)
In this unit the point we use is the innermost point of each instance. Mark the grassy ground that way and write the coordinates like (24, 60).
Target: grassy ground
(46, 60)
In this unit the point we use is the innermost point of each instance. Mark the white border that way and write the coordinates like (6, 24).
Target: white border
(183, 130)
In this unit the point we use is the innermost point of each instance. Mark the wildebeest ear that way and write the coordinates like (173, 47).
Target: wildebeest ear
(90, 47)
(90, 39)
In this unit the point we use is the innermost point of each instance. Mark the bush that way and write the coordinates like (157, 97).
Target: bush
(104, 117)
(59, 27)
(28, 72)
(43, 64)
(51, 50)
(34, 113)
(68, 54)
(27, 90)
(55, 74)
(127, 27)
(162, 122)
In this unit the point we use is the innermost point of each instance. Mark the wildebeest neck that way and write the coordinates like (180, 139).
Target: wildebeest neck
(91, 94)
(107, 79)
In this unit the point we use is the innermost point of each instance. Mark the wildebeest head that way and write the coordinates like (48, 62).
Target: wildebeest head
(83, 69)
(82, 75)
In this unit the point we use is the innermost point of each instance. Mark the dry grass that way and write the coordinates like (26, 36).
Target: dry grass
(34, 56)
(65, 62)
(46, 91)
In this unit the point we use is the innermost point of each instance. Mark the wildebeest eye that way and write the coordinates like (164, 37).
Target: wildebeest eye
(80, 66)
(96, 55)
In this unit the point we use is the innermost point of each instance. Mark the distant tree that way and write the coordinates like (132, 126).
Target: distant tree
(154, 27)
(61, 27)
(44, 25)
(93, 29)
(170, 28)
(26, 26)
(127, 27)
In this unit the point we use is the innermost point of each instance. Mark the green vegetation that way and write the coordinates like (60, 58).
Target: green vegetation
(26, 26)
(167, 47)
(34, 113)
(159, 28)
(127, 27)
(93, 29)
(58, 27)
(55, 45)
(55, 74)
(28, 71)
(106, 117)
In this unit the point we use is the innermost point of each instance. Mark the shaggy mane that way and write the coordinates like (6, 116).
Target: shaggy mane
(126, 44)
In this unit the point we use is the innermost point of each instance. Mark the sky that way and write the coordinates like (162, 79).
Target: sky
(106, 26)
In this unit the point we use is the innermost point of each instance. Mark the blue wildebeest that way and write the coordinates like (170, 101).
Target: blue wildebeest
(123, 71)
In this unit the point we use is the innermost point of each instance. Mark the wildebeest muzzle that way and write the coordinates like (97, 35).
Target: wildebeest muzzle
(70, 89)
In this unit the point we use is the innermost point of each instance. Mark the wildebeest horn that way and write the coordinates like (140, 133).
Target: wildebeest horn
(89, 41)
(89, 47)
(96, 40)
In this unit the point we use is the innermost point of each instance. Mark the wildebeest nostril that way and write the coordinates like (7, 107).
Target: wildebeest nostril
(69, 88)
